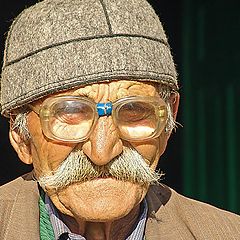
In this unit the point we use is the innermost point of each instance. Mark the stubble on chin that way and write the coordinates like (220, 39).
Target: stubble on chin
(99, 200)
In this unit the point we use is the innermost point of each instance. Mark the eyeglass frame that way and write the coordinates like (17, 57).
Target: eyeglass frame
(44, 113)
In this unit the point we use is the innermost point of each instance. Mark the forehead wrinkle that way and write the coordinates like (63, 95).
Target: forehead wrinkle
(136, 88)
(112, 91)
(103, 94)
(97, 92)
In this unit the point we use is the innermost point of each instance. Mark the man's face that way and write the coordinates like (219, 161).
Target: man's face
(100, 199)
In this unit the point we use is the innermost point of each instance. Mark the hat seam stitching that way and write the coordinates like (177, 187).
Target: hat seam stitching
(107, 17)
(84, 39)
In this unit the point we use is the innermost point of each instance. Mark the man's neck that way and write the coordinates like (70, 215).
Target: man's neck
(117, 230)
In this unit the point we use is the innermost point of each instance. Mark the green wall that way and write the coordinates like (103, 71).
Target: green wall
(211, 101)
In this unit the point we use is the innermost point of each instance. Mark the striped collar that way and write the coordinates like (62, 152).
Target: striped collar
(62, 232)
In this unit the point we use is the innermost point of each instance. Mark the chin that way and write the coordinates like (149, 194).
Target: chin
(99, 200)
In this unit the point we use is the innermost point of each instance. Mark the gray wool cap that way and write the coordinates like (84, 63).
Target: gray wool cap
(57, 45)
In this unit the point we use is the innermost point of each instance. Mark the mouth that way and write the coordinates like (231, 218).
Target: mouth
(103, 178)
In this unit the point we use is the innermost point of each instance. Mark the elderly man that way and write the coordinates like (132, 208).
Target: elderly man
(91, 91)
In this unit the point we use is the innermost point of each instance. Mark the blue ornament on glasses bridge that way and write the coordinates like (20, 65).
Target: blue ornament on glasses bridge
(104, 109)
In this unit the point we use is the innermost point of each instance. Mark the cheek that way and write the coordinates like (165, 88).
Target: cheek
(46, 154)
(149, 150)
(152, 150)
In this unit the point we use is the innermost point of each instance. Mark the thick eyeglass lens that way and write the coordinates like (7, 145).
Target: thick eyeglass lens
(139, 120)
(71, 119)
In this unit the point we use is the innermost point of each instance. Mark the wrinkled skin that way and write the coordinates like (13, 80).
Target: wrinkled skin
(101, 208)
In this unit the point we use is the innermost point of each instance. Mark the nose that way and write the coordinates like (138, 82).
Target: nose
(104, 143)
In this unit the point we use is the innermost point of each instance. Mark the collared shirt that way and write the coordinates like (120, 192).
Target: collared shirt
(62, 232)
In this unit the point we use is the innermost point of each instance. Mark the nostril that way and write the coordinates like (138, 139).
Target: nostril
(103, 155)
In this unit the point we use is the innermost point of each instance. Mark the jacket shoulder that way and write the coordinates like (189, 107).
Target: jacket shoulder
(18, 207)
(194, 219)
(9, 190)
(206, 219)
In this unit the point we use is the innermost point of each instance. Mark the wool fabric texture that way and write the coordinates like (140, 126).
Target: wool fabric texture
(57, 45)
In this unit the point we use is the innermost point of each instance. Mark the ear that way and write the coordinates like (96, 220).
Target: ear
(175, 104)
(21, 147)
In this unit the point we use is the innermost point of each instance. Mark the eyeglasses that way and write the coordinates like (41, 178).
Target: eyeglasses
(72, 118)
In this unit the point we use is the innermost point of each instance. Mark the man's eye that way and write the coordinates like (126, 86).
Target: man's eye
(74, 115)
(71, 118)
(135, 112)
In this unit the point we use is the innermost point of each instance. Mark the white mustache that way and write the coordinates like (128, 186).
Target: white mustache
(77, 167)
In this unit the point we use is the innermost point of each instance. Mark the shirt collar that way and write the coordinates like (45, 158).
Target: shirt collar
(62, 232)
